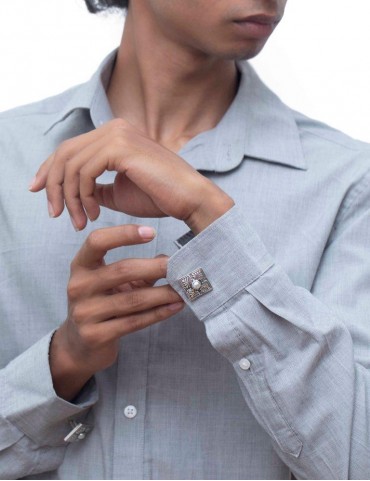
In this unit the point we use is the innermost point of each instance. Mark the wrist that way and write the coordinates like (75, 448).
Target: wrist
(216, 205)
(68, 376)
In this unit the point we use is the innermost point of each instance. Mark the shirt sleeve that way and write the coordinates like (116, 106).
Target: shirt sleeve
(301, 357)
(33, 419)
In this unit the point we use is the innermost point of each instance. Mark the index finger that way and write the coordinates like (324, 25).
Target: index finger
(100, 241)
(67, 149)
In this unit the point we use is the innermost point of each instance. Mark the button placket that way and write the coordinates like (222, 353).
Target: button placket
(129, 449)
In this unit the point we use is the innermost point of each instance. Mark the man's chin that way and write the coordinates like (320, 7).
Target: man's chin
(244, 53)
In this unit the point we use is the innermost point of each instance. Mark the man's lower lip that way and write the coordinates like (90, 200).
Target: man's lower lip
(255, 29)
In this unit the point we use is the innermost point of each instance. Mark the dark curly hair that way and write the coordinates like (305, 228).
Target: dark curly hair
(96, 6)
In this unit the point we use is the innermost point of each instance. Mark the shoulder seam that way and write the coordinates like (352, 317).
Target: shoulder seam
(352, 197)
(357, 191)
(331, 140)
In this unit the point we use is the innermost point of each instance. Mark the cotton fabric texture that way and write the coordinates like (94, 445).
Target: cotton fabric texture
(290, 270)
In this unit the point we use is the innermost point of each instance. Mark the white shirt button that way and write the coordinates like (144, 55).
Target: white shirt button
(244, 364)
(130, 411)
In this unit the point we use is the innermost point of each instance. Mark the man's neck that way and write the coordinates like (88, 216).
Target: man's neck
(169, 92)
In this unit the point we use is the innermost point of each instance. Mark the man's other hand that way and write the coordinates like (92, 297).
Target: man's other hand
(106, 302)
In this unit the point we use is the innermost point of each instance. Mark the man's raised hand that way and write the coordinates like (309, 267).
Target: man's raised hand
(151, 180)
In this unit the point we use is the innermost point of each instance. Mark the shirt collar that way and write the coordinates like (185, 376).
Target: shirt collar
(257, 124)
(90, 96)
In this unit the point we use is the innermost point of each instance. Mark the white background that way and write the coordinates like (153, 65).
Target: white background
(317, 60)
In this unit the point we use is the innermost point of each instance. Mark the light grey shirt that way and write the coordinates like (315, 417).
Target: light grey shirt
(265, 375)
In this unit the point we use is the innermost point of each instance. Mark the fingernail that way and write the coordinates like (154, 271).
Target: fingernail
(161, 255)
(74, 225)
(30, 185)
(176, 306)
(51, 210)
(146, 232)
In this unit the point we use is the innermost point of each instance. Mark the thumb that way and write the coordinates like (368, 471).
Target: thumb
(103, 195)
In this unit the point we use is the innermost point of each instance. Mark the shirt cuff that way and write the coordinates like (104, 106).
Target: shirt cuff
(231, 255)
(29, 401)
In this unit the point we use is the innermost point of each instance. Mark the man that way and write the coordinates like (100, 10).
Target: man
(251, 359)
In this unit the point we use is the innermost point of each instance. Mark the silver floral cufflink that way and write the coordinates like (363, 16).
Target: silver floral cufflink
(195, 284)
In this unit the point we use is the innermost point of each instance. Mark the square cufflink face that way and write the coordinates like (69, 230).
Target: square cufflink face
(195, 284)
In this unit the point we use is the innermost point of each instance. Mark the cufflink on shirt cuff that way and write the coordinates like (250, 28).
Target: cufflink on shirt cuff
(78, 432)
(195, 284)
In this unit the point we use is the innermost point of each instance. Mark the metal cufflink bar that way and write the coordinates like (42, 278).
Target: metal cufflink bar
(78, 432)
(195, 284)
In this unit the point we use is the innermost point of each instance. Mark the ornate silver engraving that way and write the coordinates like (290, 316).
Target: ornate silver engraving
(195, 284)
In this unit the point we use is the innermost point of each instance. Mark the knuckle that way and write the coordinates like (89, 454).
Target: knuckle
(90, 205)
(64, 150)
(162, 263)
(159, 314)
(116, 303)
(94, 240)
(74, 288)
(134, 299)
(85, 170)
(173, 296)
(45, 165)
(120, 143)
(78, 314)
(135, 323)
(119, 123)
(130, 231)
(69, 170)
(89, 336)
(52, 184)
(73, 205)
(73, 268)
(122, 270)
